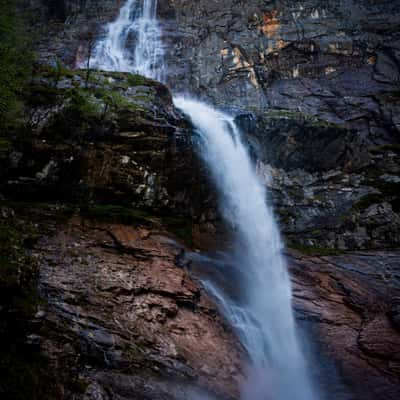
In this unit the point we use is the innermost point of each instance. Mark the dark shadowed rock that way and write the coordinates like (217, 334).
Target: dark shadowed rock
(345, 301)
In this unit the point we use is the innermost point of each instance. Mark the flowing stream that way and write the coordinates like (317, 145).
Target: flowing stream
(132, 43)
(262, 313)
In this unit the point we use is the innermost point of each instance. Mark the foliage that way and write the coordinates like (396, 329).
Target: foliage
(84, 104)
(137, 80)
(5, 147)
(16, 60)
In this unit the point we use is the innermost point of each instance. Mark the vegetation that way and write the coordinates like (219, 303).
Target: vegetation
(137, 80)
(16, 60)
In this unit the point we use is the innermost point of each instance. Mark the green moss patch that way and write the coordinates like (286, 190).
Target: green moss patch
(299, 116)
(137, 80)
(5, 147)
(17, 267)
(84, 104)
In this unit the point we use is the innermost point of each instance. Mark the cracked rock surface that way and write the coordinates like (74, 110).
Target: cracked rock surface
(350, 303)
(127, 321)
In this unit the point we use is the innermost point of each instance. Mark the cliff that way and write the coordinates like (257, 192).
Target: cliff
(103, 199)
(320, 83)
(96, 188)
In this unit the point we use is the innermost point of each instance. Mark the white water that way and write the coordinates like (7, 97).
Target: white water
(132, 42)
(262, 315)
(263, 318)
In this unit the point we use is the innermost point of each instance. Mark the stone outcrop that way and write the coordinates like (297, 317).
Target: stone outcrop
(350, 304)
(116, 139)
(119, 316)
(320, 78)
(331, 188)
(128, 322)
(115, 317)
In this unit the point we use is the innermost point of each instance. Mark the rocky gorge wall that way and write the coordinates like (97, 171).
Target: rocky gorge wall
(103, 200)
(321, 81)
(97, 185)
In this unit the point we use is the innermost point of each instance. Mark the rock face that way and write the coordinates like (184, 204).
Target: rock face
(321, 80)
(115, 140)
(116, 317)
(101, 183)
(319, 57)
(350, 303)
(331, 188)
(72, 26)
(128, 322)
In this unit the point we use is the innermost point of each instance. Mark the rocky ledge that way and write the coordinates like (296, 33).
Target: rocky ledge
(349, 304)
(118, 315)
(115, 315)
(104, 137)
(125, 320)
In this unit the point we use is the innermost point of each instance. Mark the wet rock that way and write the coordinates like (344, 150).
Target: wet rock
(345, 302)
(115, 295)
(118, 140)
(321, 82)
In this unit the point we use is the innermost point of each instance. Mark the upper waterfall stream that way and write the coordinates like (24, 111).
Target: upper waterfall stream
(132, 43)
(262, 315)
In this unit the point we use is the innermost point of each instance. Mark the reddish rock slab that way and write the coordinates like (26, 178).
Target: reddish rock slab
(348, 300)
(132, 320)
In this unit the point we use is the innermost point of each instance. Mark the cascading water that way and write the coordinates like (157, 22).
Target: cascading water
(132, 42)
(262, 315)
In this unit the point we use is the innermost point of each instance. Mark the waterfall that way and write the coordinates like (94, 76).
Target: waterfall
(132, 43)
(262, 315)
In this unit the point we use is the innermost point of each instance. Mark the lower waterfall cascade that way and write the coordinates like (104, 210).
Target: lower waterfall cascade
(262, 317)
